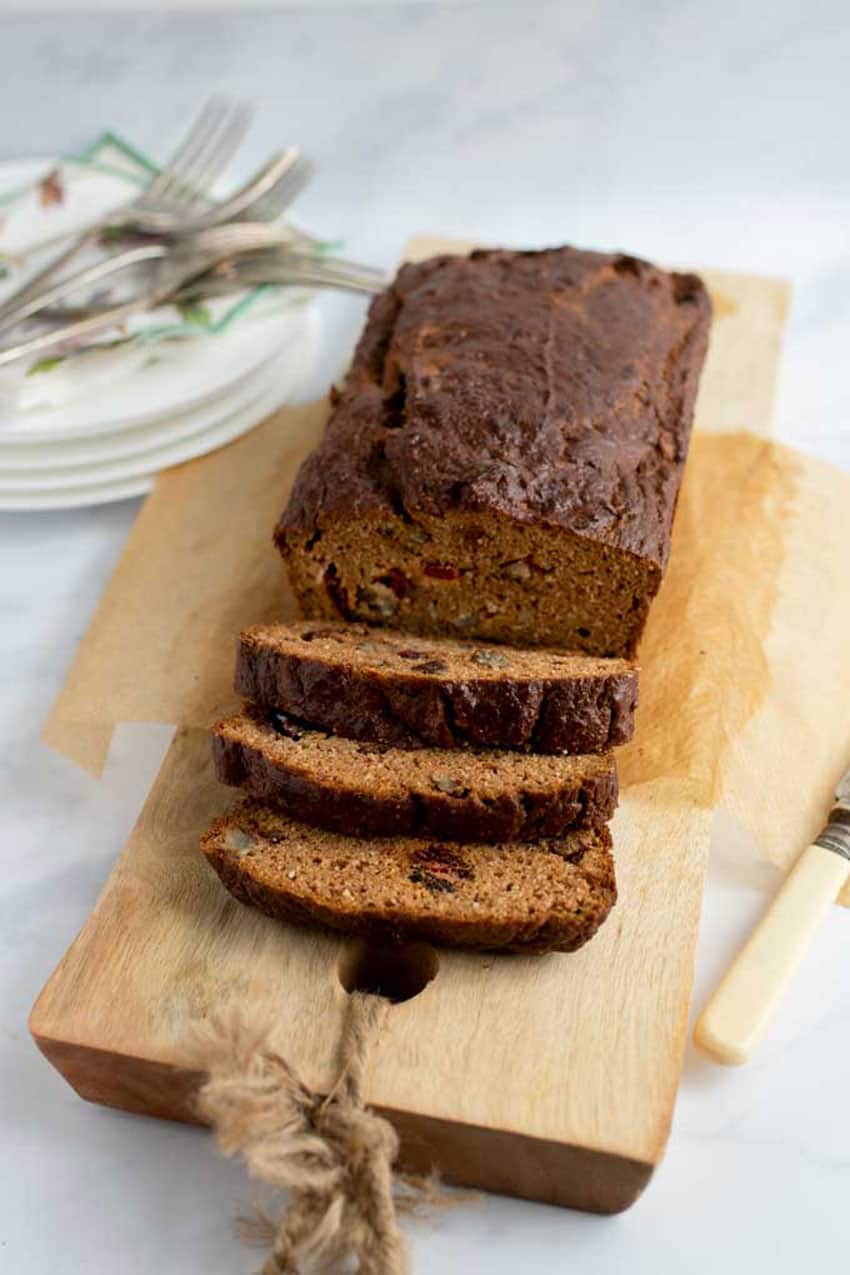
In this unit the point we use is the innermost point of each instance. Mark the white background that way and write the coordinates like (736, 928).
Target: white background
(697, 134)
(56, 7)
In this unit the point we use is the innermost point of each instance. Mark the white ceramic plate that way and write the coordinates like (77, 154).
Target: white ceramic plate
(34, 459)
(80, 497)
(29, 222)
(173, 452)
(112, 390)
(166, 380)
(116, 487)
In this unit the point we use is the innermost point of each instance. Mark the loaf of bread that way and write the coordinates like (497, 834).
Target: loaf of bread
(375, 790)
(505, 456)
(540, 897)
(386, 687)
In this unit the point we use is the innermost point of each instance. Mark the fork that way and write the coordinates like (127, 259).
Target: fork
(175, 264)
(182, 185)
(288, 175)
(276, 267)
(178, 189)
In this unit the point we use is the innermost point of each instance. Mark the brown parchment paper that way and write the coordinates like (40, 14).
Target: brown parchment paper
(743, 667)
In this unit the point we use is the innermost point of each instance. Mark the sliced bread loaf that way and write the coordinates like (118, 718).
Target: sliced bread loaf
(367, 789)
(549, 896)
(504, 458)
(391, 688)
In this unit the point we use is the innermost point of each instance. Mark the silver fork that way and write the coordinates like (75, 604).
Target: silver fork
(172, 266)
(182, 186)
(177, 190)
(261, 200)
(274, 267)
(281, 267)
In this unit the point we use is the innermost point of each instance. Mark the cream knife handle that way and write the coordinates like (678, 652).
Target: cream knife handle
(734, 1020)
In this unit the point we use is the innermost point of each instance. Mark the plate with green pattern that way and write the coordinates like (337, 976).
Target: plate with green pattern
(163, 363)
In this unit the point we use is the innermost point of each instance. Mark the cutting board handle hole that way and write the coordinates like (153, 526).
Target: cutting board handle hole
(398, 972)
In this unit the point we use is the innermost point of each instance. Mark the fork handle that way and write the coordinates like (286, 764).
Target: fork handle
(15, 306)
(74, 332)
(736, 1017)
(40, 298)
(244, 201)
(339, 282)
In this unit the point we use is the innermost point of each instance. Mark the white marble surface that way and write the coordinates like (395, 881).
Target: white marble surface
(711, 135)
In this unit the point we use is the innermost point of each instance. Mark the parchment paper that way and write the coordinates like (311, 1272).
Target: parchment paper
(744, 671)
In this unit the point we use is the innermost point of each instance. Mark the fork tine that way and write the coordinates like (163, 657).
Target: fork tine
(315, 274)
(196, 136)
(284, 192)
(209, 160)
(267, 265)
(292, 258)
(176, 177)
(318, 269)
(228, 142)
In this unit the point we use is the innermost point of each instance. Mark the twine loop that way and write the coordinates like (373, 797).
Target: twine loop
(331, 1154)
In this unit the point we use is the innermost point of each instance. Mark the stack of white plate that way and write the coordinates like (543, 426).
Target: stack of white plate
(99, 426)
(109, 445)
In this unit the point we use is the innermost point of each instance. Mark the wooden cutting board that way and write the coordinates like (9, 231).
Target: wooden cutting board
(553, 1079)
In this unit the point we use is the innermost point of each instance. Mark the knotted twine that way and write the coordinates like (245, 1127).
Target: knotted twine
(333, 1155)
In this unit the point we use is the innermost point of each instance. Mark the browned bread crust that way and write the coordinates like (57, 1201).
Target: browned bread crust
(505, 457)
(376, 685)
(534, 898)
(376, 790)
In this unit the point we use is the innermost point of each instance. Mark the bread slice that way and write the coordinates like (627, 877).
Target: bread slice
(377, 790)
(549, 896)
(392, 688)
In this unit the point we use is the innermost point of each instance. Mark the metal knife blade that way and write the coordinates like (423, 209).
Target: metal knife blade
(836, 834)
(842, 792)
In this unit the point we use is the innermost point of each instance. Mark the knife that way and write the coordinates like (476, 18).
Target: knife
(737, 1015)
